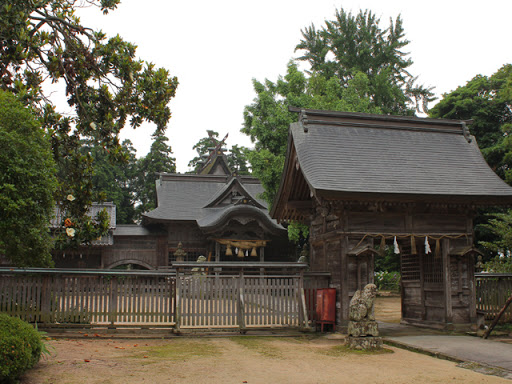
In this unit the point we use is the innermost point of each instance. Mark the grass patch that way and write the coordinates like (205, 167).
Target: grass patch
(179, 350)
(260, 345)
(343, 350)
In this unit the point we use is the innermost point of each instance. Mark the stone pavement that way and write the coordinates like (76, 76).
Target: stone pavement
(493, 353)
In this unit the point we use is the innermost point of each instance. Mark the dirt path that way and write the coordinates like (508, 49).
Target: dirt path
(238, 360)
(243, 360)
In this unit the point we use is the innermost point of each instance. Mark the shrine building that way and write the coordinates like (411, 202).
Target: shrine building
(363, 182)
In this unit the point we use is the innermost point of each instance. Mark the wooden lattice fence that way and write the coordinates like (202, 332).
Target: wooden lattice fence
(150, 299)
(492, 291)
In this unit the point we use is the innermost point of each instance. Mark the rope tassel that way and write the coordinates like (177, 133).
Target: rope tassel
(382, 245)
(413, 246)
(438, 248)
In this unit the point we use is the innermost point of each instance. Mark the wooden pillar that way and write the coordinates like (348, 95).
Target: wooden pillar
(472, 288)
(447, 281)
(344, 298)
(217, 252)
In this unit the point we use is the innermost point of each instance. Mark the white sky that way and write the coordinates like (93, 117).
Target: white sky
(216, 48)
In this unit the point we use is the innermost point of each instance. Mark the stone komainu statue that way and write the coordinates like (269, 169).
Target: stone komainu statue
(361, 318)
(361, 305)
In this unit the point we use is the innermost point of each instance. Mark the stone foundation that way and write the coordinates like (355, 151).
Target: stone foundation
(364, 343)
(363, 328)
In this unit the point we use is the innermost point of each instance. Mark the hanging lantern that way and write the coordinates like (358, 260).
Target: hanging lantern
(253, 252)
(229, 252)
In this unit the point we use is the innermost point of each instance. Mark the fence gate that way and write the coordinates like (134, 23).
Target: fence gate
(240, 301)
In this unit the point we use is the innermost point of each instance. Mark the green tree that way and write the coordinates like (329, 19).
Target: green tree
(354, 66)
(267, 120)
(501, 226)
(201, 147)
(352, 44)
(115, 181)
(238, 160)
(487, 101)
(27, 184)
(158, 160)
(104, 83)
(236, 156)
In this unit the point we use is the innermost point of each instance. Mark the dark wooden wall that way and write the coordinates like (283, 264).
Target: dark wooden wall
(437, 289)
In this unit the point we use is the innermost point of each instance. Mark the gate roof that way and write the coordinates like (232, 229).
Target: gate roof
(357, 156)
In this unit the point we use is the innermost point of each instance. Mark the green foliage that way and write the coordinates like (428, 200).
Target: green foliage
(238, 160)
(115, 181)
(501, 226)
(158, 160)
(499, 264)
(388, 261)
(355, 66)
(104, 83)
(20, 348)
(201, 148)
(352, 44)
(387, 281)
(237, 156)
(27, 184)
(297, 232)
(267, 120)
(487, 101)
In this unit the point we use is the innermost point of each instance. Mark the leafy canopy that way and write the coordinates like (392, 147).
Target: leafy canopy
(27, 184)
(42, 42)
(487, 101)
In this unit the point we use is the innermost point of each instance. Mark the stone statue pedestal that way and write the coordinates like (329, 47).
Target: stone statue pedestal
(364, 342)
(363, 328)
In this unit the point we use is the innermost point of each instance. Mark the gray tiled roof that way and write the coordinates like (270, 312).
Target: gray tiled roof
(408, 158)
(184, 197)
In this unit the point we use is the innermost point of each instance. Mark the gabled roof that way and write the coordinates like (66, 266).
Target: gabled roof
(218, 165)
(355, 155)
(234, 186)
(202, 198)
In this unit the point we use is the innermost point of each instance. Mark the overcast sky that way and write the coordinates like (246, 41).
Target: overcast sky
(216, 48)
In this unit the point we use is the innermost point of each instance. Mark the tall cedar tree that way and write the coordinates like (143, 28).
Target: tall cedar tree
(158, 160)
(104, 83)
(27, 184)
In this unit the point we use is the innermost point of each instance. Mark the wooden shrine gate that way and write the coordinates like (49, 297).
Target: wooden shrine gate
(151, 299)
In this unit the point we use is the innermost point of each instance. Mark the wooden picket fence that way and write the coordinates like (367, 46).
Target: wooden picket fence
(492, 291)
(240, 301)
(149, 299)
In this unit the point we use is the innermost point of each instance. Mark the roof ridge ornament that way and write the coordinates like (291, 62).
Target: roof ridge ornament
(466, 133)
(303, 120)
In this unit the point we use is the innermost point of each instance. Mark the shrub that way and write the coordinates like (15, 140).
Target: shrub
(387, 281)
(20, 348)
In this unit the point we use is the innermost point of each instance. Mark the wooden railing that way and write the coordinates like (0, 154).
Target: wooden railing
(56, 297)
(194, 297)
(492, 291)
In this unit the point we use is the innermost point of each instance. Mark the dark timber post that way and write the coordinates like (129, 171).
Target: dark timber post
(447, 281)
(241, 302)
